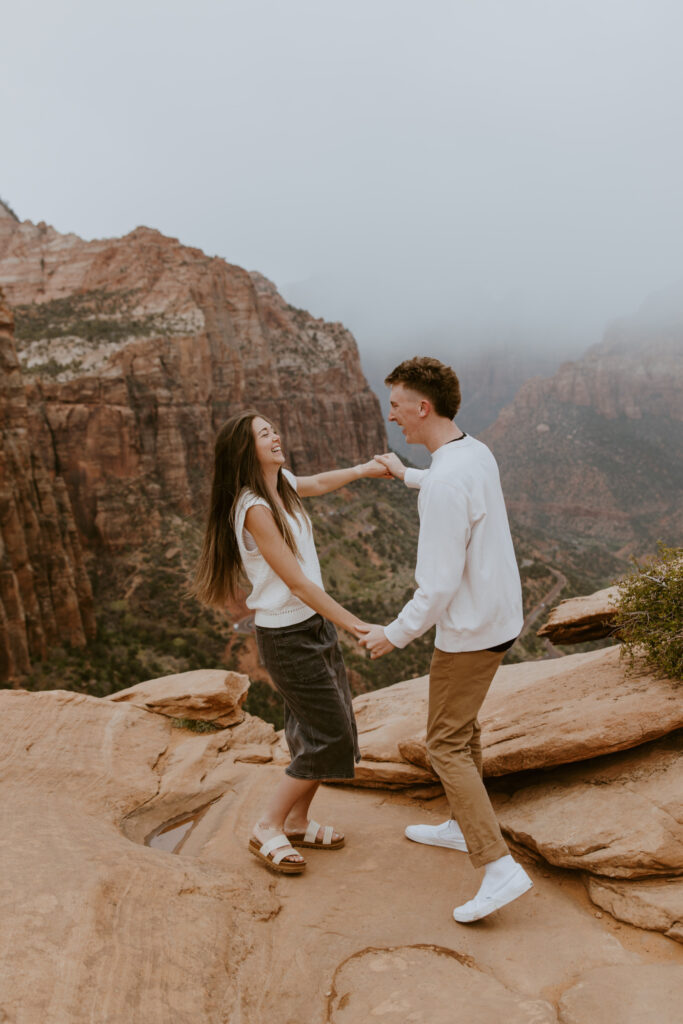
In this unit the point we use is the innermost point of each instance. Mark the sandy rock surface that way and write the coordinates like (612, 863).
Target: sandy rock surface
(647, 994)
(206, 695)
(620, 816)
(536, 715)
(98, 926)
(383, 893)
(582, 618)
(654, 903)
(418, 984)
(95, 926)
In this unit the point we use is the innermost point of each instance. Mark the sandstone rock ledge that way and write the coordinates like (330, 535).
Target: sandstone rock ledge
(537, 714)
(654, 903)
(582, 618)
(619, 816)
(206, 695)
(98, 927)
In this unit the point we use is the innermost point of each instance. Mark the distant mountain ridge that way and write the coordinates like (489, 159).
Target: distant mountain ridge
(595, 451)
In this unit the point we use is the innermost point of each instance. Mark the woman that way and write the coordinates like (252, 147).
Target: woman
(257, 526)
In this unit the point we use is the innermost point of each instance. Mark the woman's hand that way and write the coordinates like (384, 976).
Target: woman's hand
(374, 640)
(374, 468)
(391, 464)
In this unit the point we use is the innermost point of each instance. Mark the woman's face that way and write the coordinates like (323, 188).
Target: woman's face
(268, 448)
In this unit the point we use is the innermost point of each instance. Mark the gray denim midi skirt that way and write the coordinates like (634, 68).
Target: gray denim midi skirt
(307, 668)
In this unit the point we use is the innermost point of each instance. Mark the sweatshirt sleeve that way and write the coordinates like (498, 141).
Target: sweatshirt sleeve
(441, 549)
(414, 477)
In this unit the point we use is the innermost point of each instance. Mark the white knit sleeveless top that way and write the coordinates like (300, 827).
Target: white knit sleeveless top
(271, 600)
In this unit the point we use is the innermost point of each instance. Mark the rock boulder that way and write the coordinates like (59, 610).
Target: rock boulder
(582, 618)
(206, 695)
(652, 903)
(620, 816)
(536, 715)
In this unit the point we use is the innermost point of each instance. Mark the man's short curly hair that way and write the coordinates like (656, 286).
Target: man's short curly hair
(432, 379)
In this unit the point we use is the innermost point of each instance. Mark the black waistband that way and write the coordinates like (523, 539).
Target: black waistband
(501, 647)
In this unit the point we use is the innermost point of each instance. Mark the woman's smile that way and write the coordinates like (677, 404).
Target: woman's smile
(268, 444)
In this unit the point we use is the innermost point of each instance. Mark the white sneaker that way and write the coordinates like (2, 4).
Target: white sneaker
(490, 898)
(446, 834)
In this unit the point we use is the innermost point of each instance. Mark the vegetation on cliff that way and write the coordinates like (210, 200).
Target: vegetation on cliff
(649, 619)
(95, 315)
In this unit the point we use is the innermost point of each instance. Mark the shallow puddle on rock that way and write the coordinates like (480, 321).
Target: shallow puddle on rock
(172, 834)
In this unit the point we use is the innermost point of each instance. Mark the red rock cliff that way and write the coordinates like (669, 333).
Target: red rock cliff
(595, 450)
(139, 348)
(45, 594)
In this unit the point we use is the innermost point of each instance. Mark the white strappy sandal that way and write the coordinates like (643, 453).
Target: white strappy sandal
(309, 838)
(273, 852)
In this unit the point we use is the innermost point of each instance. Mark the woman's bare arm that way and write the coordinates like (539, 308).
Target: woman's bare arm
(323, 483)
(261, 525)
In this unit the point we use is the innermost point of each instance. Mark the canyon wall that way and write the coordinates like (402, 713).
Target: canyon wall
(135, 350)
(45, 595)
(594, 452)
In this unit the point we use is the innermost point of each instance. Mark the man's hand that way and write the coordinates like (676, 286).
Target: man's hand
(393, 464)
(376, 642)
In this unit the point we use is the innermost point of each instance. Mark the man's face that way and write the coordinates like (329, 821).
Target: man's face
(408, 409)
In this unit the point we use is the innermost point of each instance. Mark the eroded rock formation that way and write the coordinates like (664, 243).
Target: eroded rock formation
(45, 594)
(139, 348)
(205, 695)
(653, 903)
(582, 618)
(618, 816)
(103, 928)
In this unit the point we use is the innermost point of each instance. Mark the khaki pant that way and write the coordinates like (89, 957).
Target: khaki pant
(458, 684)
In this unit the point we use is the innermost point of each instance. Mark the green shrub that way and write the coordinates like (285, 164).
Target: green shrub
(194, 725)
(649, 619)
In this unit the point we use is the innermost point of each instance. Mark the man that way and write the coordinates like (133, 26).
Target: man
(469, 586)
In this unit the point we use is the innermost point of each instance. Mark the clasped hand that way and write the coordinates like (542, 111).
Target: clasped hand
(372, 637)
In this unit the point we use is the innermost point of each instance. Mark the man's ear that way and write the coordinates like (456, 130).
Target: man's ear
(425, 406)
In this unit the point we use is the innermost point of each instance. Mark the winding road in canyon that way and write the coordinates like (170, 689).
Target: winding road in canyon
(546, 602)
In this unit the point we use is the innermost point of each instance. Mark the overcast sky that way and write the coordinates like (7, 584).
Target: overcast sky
(408, 167)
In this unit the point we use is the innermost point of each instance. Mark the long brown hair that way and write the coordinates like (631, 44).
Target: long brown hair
(236, 466)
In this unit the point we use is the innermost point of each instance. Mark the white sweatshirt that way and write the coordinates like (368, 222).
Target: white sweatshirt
(466, 574)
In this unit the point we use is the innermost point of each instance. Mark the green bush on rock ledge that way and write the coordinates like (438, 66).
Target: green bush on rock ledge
(649, 619)
(194, 725)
